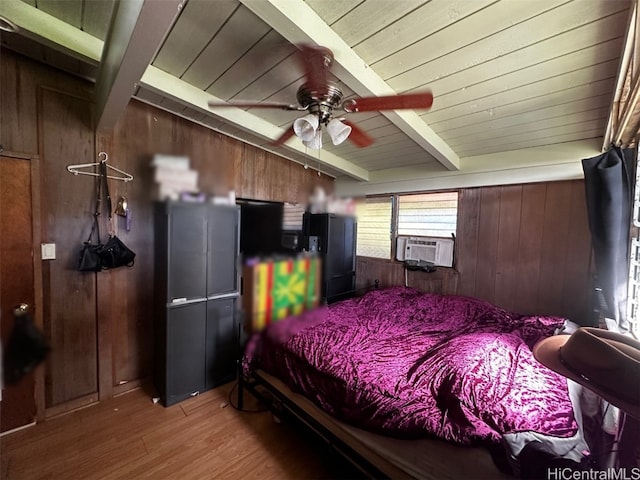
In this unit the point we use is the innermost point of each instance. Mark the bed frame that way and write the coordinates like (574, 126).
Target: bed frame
(375, 456)
(282, 402)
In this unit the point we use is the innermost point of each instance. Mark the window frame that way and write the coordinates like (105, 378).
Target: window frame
(633, 285)
(391, 225)
(395, 214)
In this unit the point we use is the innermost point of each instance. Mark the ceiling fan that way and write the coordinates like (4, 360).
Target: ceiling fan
(321, 98)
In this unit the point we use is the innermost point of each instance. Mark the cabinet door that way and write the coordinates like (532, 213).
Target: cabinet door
(186, 329)
(340, 256)
(223, 245)
(341, 244)
(222, 348)
(187, 251)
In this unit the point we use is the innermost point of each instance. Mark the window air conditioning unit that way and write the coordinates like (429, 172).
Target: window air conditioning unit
(438, 251)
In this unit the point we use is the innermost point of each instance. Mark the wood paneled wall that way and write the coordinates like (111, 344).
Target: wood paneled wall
(101, 325)
(125, 295)
(66, 137)
(525, 248)
(391, 273)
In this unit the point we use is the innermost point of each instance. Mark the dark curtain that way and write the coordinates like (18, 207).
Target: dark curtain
(609, 191)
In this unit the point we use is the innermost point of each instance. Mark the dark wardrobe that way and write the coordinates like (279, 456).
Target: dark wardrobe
(197, 289)
(336, 235)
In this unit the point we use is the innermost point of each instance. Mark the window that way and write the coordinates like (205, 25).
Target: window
(374, 227)
(428, 214)
(292, 217)
(425, 214)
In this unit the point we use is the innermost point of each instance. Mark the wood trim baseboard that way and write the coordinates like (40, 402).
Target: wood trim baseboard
(72, 405)
(17, 429)
(132, 385)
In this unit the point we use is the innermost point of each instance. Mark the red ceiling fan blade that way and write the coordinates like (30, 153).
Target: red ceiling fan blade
(250, 104)
(316, 62)
(358, 136)
(284, 137)
(422, 100)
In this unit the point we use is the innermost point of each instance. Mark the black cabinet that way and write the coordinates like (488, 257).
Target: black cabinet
(196, 285)
(337, 244)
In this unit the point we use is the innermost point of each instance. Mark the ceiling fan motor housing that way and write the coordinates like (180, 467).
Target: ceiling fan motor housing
(320, 102)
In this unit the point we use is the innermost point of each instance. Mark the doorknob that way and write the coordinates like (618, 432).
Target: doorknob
(21, 309)
(26, 346)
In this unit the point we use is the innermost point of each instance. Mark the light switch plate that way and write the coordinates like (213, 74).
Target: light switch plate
(48, 251)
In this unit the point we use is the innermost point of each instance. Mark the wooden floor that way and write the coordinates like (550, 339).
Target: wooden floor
(130, 437)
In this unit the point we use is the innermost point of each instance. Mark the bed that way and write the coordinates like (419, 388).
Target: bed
(406, 367)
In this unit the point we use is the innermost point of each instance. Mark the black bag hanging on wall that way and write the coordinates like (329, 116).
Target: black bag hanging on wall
(89, 260)
(114, 253)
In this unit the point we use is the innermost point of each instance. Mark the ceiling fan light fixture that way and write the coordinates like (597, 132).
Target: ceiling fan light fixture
(315, 142)
(338, 131)
(306, 127)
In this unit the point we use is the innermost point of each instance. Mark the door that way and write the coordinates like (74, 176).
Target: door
(222, 348)
(223, 239)
(339, 257)
(186, 330)
(188, 251)
(18, 406)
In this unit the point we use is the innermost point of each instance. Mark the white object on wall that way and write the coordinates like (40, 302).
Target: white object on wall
(438, 251)
(48, 251)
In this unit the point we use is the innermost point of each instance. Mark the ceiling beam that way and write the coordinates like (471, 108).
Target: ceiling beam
(47, 29)
(137, 30)
(545, 163)
(162, 83)
(299, 23)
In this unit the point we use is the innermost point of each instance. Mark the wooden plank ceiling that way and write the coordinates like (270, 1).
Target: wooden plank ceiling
(506, 75)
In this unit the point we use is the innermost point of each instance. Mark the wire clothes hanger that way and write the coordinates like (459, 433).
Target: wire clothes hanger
(126, 177)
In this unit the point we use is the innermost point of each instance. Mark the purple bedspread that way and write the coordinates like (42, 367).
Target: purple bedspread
(408, 364)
